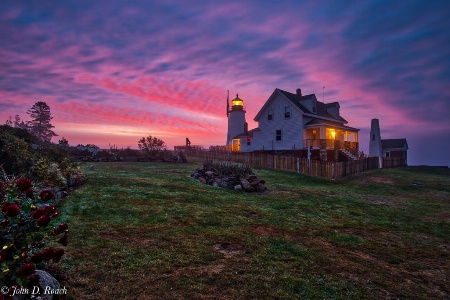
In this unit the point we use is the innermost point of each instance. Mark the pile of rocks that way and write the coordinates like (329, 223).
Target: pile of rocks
(247, 183)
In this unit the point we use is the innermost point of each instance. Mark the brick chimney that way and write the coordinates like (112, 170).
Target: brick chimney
(299, 92)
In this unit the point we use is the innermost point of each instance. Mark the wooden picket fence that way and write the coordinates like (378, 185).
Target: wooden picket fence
(330, 170)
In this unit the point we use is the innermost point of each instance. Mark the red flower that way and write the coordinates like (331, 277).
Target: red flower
(43, 221)
(47, 254)
(30, 194)
(60, 228)
(57, 255)
(37, 258)
(12, 210)
(64, 240)
(46, 195)
(4, 206)
(49, 210)
(26, 270)
(37, 213)
(24, 184)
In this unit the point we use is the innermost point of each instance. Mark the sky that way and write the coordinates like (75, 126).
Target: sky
(115, 71)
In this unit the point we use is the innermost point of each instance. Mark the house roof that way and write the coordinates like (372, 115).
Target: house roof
(394, 144)
(249, 133)
(320, 106)
(317, 122)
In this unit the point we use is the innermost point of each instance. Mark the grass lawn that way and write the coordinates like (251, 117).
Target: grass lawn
(150, 231)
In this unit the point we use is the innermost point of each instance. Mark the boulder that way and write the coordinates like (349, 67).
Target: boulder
(223, 184)
(46, 283)
(245, 184)
(47, 280)
(255, 181)
(260, 187)
(250, 189)
(248, 183)
(251, 177)
(209, 173)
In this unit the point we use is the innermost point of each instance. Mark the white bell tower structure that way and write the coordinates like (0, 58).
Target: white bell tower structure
(375, 149)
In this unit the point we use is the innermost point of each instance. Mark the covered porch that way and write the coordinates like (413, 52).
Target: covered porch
(326, 134)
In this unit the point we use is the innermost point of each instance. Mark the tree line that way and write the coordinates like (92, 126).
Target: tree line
(41, 127)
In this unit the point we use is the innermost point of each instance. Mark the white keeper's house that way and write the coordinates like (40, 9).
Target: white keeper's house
(290, 121)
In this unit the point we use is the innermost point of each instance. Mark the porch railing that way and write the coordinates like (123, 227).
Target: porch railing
(330, 144)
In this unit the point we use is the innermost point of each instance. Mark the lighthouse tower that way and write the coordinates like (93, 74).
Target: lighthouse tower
(236, 122)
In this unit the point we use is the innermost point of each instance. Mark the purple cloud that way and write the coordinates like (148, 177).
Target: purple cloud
(166, 65)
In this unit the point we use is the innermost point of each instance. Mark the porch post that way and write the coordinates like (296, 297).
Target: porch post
(322, 133)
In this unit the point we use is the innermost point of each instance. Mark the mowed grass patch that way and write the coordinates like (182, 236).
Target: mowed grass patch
(150, 231)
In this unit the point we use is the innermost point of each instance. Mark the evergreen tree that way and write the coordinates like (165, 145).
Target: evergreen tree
(40, 124)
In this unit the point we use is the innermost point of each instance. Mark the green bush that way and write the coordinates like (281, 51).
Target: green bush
(22, 154)
(15, 154)
(227, 168)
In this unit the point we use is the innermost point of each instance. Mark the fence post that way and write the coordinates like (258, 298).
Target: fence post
(298, 165)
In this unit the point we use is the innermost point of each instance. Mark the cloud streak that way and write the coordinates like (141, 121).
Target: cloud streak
(165, 66)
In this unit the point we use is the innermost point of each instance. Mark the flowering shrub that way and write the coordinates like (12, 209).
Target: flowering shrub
(50, 173)
(27, 242)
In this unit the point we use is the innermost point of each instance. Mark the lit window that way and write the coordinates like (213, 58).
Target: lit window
(270, 114)
(278, 135)
(236, 145)
(287, 112)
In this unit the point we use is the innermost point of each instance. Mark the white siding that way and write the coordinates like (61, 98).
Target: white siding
(291, 128)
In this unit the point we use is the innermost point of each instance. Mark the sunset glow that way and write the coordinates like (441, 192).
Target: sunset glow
(113, 72)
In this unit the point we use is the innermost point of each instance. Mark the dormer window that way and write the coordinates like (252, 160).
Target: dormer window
(287, 112)
(270, 114)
